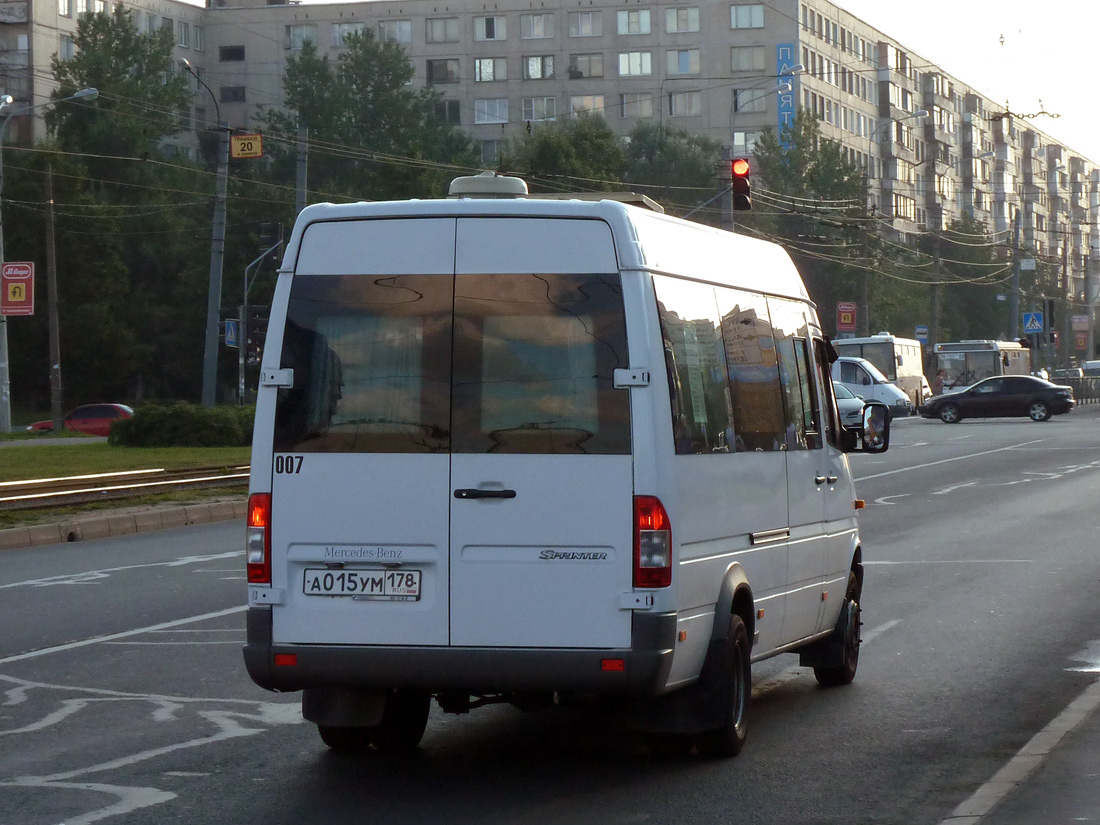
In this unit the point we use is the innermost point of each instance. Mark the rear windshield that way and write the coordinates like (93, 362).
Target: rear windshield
(510, 363)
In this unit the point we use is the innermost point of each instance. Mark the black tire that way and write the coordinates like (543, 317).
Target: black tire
(950, 414)
(1038, 411)
(669, 745)
(733, 681)
(403, 722)
(345, 739)
(849, 625)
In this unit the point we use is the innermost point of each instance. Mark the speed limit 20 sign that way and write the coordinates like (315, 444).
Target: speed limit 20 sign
(246, 146)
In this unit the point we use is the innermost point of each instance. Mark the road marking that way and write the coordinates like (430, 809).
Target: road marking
(952, 489)
(949, 460)
(883, 499)
(93, 575)
(1026, 760)
(95, 640)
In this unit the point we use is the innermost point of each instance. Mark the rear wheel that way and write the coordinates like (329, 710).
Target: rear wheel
(403, 722)
(345, 739)
(1038, 411)
(949, 414)
(848, 626)
(733, 682)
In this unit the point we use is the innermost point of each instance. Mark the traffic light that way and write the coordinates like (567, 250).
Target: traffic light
(739, 171)
(255, 332)
(270, 235)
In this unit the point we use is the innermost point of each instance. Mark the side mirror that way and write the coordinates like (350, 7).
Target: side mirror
(876, 428)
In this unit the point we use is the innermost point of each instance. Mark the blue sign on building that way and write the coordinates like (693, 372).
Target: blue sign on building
(786, 58)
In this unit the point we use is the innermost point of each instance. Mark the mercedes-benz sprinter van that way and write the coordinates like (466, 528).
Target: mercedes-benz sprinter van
(525, 450)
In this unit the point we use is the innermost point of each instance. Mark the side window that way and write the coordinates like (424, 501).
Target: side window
(803, 414)
(832, 417)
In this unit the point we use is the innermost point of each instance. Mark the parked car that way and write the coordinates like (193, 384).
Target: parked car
(864, 379)
(850, 406)
(1072, 372)
(90, 419)
(1000, 396)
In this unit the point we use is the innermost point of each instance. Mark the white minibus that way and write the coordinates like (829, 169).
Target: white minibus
(521, 450)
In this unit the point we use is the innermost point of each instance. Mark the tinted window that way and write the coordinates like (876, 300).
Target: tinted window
(371, 358)
(534, 365)
(803, 415)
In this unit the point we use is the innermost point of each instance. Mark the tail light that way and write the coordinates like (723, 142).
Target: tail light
(258, 538)
(652, 543)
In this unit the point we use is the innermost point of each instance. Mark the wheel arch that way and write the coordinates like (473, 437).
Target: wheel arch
(734, 596)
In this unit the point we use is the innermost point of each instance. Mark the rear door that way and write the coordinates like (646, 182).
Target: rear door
(541, 470)
(361, 483)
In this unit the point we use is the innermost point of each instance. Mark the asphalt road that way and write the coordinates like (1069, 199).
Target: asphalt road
(123, 698)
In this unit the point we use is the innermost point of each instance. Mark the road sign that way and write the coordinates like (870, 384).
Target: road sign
(921, 333)
(1033, 322)
(1081, 340)
(246, 146)
(1080, 323)
(845, 316)
(232, 332)
(17, 289)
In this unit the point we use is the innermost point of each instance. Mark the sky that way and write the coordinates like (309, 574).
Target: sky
(1034, 56)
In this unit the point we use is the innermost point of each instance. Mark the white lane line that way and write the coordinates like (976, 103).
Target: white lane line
(92, 575)
(95, 640)
(948, 460)
(1027, 759)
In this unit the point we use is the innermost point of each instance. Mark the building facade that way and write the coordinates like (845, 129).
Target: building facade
(934, 147)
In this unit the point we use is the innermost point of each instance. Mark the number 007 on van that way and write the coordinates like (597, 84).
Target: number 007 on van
(528, 450)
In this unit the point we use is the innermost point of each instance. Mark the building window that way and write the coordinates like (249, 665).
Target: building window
(585, 65)
(744, 143)
(586, 103)
(750, 100)
(67, 49)
(152, 23)
(637, 104)
(490, 28)
(489, 69)
(65, 8)
(340, 32)
(442, 30)
(491, 110)
(170, 24)
(443, 71)
(396, 31)
(490, 152)
(230, 54)
(905, 207)
(99, 6)
(298, 35)
(198, 38)
(747, 17)
(447, 110)
(538, 67)
(747, 59)
(681, 20)
(585, 24)
(633, 22)
(540, 108)
(81, 7)
(183, 31)
(534, 26)
(232, 94)
(683, 61)
(634, 64)
(685, 104)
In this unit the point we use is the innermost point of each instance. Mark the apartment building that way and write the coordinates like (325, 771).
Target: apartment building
(934, 147)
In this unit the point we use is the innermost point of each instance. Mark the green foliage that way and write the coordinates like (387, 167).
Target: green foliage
(969, 306)
(391, 136)
(184, 425)
(574, 154)
(56, 460)
(673, 167)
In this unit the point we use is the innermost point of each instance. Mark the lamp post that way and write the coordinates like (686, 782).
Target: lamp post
(865, 276)
(5, 380)
(217, 252)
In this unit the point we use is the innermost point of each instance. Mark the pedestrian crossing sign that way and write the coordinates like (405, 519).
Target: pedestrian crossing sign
(1033, 322)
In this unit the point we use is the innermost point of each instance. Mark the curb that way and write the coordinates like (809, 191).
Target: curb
(121, 524)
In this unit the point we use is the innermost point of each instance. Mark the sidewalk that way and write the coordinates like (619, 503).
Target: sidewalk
(121, 521)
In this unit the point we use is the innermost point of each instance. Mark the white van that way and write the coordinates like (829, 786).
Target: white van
(899, 359)
(866, 380)
(527, 450)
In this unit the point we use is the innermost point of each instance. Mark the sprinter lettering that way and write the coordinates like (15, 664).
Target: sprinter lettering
(571, 555)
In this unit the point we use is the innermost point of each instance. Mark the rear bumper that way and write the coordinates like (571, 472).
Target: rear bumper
(646, 664)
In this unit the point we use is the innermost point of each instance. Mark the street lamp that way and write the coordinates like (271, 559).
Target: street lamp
(5, 381)
(217, 252)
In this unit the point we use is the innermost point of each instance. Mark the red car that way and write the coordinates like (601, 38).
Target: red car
(90, 419)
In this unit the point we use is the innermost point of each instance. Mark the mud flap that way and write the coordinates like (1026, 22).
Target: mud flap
(829, 652)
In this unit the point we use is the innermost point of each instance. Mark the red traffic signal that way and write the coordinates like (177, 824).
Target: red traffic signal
(742, 197)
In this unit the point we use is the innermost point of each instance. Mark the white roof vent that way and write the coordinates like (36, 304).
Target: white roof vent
(487, 185)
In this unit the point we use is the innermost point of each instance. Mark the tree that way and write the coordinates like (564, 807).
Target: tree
(973, 277)
(371, 135)
(575, 154)
(673, 167)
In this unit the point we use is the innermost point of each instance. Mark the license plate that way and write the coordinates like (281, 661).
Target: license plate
(379, 585)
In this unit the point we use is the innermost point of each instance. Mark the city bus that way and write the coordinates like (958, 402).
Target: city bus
(899, 359)
(965, 362)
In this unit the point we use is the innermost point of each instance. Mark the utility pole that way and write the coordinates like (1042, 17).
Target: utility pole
(1062, 352)
(865, 275)
(1014, 303)
(56, 406)
(302, 169)
(937, 272)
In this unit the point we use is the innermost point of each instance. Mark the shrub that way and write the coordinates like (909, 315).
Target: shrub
(181, 424)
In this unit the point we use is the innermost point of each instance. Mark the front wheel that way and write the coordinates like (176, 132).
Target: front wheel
(1038, 411)
(733, 682)
(848, 625)
(950, 414)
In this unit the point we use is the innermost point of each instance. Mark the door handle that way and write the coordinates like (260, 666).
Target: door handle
(474, 493)
(833, 479)
(819, 479)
